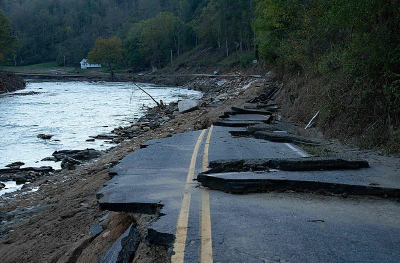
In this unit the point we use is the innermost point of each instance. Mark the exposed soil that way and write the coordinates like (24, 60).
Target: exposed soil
(10, 82)
(53, 223)
(342, 114)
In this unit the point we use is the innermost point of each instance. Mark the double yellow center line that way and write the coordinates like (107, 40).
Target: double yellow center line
(183, 218)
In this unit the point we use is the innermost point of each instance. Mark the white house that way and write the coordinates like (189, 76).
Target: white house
(86, 64)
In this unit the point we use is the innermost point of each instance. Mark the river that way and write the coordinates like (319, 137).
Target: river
(71, 112)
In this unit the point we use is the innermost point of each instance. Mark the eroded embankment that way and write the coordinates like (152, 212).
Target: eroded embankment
(354, 113)
(10, 82)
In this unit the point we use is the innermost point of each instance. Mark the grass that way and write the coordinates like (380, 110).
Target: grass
(317, 150)
(46, 65)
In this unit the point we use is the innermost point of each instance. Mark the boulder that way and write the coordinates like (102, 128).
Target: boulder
(187, 105)
(69, 163)
(2, 185)
(20, 178)
(86, 154)
(82, 155)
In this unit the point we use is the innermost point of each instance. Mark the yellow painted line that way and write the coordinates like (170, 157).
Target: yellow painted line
(206, 147)
(183, 218)
(206, 237)
(205, 224)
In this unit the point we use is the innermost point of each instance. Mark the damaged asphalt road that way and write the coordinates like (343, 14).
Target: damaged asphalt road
(201, 222)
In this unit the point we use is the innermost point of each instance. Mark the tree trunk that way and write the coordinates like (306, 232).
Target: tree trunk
(113, 78)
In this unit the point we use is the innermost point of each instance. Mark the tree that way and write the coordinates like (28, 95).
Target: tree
(159, 36)
(7, 41)
(108, 51)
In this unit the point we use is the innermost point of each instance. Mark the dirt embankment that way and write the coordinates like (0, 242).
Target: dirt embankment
(346, 112)
(9, 82)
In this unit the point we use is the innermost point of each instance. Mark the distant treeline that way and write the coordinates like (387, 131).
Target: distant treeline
(66, 30)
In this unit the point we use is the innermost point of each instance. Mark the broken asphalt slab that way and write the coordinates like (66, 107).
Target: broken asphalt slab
(331, 175)
(284, 137)
(286, 164)
(274, 134)
(244, 120)
(309, 174)
(237, 110)
(337, 182)
(151, 180)
(241, 117)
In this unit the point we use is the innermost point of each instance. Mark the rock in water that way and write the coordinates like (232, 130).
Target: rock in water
(15, 165)
(44, 136)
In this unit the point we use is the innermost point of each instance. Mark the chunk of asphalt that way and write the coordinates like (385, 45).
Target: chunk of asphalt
(266, 107)
(284, 138)
(262, 127)
(250, 111)
(285, 164)
(145, 208)
(316, 163)
(250, 182)
(239, 123)
(123, 250)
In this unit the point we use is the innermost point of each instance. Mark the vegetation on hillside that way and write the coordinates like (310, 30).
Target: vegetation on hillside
(354, 46)
(54, 30)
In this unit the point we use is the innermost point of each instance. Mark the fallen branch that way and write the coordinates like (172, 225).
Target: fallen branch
(158, 104)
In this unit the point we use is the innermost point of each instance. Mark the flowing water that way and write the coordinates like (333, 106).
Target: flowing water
(71, 112)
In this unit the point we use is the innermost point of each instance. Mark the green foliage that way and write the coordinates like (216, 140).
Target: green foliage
(210, 26)
(246, 59)
(159, 36)
(107, 51)
(7, 40)
(65, 31)
(132, 44)
(358, 41)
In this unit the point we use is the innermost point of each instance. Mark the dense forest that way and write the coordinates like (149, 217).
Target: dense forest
(54, 30)
(352, 46)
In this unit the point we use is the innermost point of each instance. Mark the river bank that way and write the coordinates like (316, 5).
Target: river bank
(9, 82)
